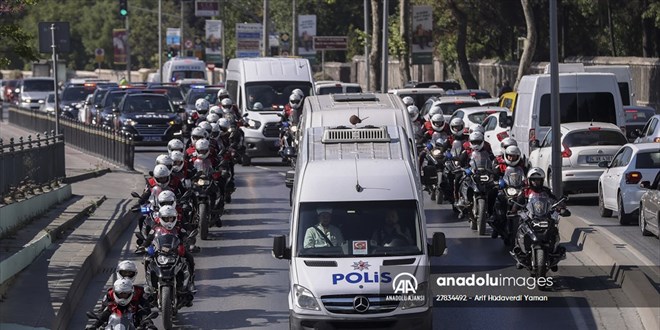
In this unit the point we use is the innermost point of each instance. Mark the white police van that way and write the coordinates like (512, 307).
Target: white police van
(179, 68)
(358, 246)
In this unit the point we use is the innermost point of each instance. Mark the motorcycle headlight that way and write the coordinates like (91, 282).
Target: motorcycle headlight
(511, 191)
(254, 123)
(164, 259)
(304, 298)
(436, 153)
(418, 299)
(203, 182)
(294, 128)
(484, 178)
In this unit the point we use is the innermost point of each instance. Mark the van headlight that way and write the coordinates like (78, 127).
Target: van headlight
(130, 122)
(165, 259)
(254, 123)
(418, 299)
(304, 298)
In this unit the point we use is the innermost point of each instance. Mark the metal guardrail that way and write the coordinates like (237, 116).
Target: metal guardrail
(114, 146)
(30, 163)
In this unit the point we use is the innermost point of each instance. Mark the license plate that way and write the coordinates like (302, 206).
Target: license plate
(151, 138)
(598, 159)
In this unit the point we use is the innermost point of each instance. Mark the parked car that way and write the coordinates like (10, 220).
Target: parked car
(496, 128)
(449, 104)
(419, 95)
(636, 118)
(584, 146)
(618, 186)
(649, 207)
(650, 132)
(336, 87)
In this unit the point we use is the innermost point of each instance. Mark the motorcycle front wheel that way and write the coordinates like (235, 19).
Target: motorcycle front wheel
(480, 215)
(439, 197)
(202, 214)
(166, 305)
(541, 267)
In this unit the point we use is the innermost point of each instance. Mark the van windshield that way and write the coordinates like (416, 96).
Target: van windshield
(273, 95)
(178, 75)
(349, 229)
(577, 107)
(38, 85)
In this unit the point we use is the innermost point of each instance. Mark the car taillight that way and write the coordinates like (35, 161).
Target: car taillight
(656, 139)
(594, 128)
(633, 177)
(532, 134)
(566, 153)
(502, 135)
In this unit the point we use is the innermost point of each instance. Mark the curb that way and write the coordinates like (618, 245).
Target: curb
(86, 176)
(23, 258)
(89, 268)
(633, 281)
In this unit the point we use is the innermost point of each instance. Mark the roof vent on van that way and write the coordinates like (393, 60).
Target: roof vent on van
(354, 97)
(355, 135)
(566, 68)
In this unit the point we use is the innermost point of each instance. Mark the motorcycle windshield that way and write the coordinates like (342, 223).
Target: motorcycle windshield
(203, 165)
(166, 242)
(513, 176)
(439, 140)
(120, 322)
(155, 191)
(456, 148)
(480, 162)
(538, 205)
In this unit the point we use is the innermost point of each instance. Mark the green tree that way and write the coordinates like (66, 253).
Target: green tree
(16, 45)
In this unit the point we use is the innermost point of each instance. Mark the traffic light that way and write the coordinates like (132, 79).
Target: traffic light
(123, 8)
(171, 52)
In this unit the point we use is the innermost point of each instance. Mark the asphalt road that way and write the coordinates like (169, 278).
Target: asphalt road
(241, 286)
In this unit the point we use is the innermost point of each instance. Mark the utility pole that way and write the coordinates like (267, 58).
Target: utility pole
(57, 103)
(366, 44)
(265, 29)
(128, 51)
(385, 49)
(294, 33)
(181, 39)
(160, 41)
(554, 102)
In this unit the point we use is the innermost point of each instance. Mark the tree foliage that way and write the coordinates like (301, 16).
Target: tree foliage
(16, 43)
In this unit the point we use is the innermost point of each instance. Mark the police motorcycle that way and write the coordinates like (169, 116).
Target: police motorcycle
(433, 173)
(288, 143)
(167, 273)
(511, 188)
(123, 321)
(203, 186)
(226, 167)
(146, 207)
(475, 185)
(537, 245)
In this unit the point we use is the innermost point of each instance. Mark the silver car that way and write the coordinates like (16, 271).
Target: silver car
(49, 105)
(650, 132)
(649, 207)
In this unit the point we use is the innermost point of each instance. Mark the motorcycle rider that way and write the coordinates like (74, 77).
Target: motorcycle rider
(230, 138)
(202, 153)
(476, 145)
(124, 297)
(201, 110)
(167, 220)
(417, 121)
(212, 118)
(480, 129)
(408, 101)
(497, 200)
(165, 159)
(175, 145)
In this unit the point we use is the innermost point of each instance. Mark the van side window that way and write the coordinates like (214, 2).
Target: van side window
(232, 89)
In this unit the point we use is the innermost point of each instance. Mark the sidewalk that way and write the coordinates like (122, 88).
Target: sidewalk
(46, 293)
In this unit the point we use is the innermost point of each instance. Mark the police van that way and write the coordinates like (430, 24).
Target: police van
(179, 68)
(358, 246)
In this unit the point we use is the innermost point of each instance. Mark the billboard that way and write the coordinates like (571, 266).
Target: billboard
(248, 39)
(119, 41)
(422, 35)
(214, 41)
(173, 38)
(206, 8)
(306, 34)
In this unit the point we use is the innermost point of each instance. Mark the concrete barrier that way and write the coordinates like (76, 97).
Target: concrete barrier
(15, 214)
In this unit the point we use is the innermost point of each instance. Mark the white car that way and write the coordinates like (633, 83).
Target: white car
(618, 186)
(583, 146)
(496, 128)
(651, 131)
(476, 115)
(336, 87)
(419, 95)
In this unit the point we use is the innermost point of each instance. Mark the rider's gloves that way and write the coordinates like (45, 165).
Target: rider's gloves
(502, 183)
(468, 171)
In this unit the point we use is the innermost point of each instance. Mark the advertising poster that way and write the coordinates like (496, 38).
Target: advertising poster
(173, 38)
(306, 34)
(422, 35)
(248, 39)
(206, 8)
(214, 41)
(119, 41)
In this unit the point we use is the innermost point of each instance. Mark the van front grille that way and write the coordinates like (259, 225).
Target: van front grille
(344, 304)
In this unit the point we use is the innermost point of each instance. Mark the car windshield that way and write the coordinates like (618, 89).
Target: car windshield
(638, 115)
(173, 92)
(648, 159)
(273, 95)
(76, 94)
(330, 90)
(113, 99)
(450, 108)
(595, 137)
(147, 103)
(209, 94)
(38, 85)
(98, 97)
(478, 117)
(365, 228)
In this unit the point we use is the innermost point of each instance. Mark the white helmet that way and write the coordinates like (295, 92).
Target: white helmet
(476, 141)
(202, 148)
(257, 106)
(206, 126)
(174, 145)
(198, 133)
(127, 270)
(535, 177)
(222, 94)
(477, 128)
(438, 122)
(227, 105)
(434, 110)
(178, 159)
(166, 197)
(165, 159)
(299, 92)
(456, 125)
(508, 142)
(413, 112)
(408, 101)
(223, 124)
(167, 215)
(512, 155)
(215, 130)
(216, 109)
(202, 105)
(212, 118)
(122, 291)
(295, 100)
(162, 175)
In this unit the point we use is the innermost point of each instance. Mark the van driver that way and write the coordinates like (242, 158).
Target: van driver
(323, 234)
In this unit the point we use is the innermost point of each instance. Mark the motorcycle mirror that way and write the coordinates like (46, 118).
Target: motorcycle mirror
(92, 315)
(193, 233)
(134, 194)
(135, 208)
(139, 235)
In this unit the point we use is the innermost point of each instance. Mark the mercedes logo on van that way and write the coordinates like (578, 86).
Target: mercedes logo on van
(361, 304)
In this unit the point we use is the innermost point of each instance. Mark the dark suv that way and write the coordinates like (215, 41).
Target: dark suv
(149, 116)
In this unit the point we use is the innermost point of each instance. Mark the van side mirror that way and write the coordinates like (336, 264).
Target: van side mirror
(534, 144)
(280, 251)
(604, 163)
(438, 245)
(645, 184)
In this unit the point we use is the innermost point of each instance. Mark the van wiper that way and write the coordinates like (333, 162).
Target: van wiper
(320, 255)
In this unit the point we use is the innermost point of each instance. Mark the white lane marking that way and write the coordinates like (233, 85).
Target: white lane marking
(269, 169)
